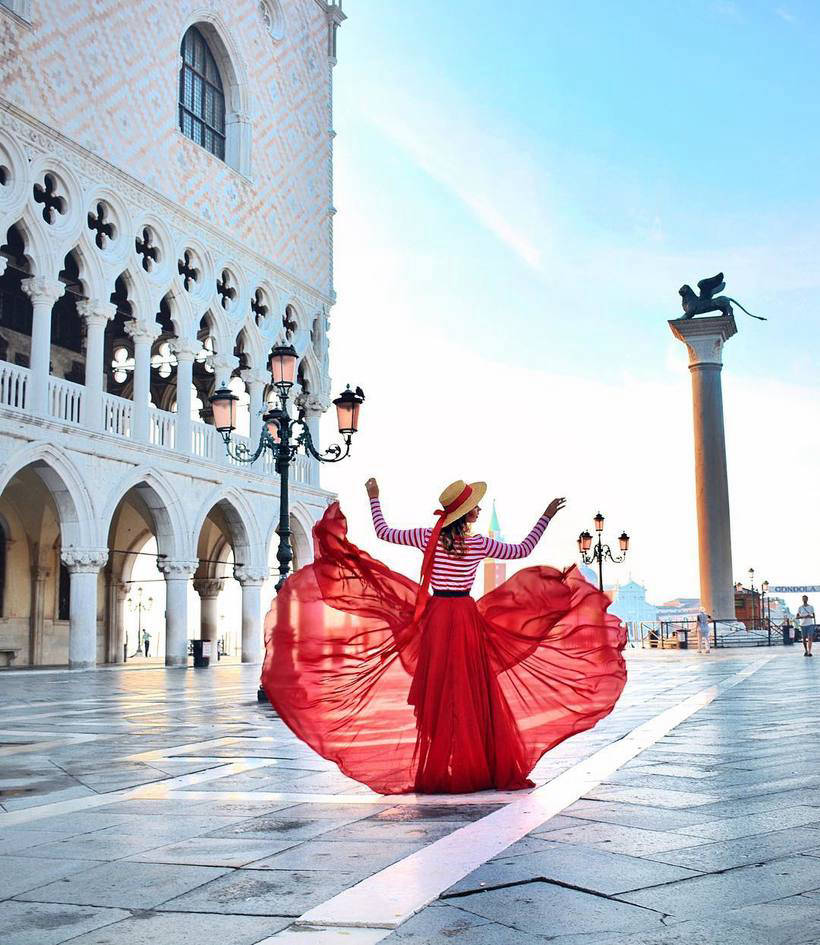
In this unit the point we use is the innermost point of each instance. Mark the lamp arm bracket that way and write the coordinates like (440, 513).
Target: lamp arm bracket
(333, 454)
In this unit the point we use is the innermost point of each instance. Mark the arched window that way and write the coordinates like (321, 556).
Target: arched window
(201, 98)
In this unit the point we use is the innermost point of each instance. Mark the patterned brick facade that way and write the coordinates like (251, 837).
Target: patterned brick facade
(104, 74)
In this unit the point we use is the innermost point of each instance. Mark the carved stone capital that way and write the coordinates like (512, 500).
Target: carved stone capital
(42, 290)
(246, 574)
(251, 376)
(142, 331)
(177, 570)
(223, 365)
(316, 404)
(96, 312)
(185, 349)
(704, 337)
(84, 560)
(208, 587)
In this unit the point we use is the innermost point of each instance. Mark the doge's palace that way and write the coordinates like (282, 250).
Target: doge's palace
(166, 213)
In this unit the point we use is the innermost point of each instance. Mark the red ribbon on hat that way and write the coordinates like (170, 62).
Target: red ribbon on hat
(430, 550)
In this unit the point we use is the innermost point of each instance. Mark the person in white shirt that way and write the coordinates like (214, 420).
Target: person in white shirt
(806, 621)
(702, 630)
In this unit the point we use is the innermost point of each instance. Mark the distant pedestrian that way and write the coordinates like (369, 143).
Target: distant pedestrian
(146, 641)
(807, 622)
(702, 631)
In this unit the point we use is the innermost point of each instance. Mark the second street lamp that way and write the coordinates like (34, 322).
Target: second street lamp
(591, 553)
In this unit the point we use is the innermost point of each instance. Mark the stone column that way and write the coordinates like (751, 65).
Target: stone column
(84, 567)
(255, 382)
(704, 339)
(143, 337)
(177, 575)
(185, 351)
(251, 581)
(209, 590)
(39, 582)
(117, 594)
(97, 314)
(43, 293)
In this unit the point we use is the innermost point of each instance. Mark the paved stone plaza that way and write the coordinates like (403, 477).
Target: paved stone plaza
(167, 807)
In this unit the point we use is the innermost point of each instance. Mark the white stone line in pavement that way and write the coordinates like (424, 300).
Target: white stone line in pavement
(150, 792)
(159, 753)
(61, 742)
(389, 897)
(31, 814)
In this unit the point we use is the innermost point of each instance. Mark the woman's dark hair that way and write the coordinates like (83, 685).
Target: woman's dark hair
(452, 536)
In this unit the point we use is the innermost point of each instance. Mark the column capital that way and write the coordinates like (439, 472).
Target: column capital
(208, 587)
(255, 376)
(84, 560)
(96, 311)
(224, 365)
(142, 331)
(316, 404)
(185, 349)
(247, 575)
(42, 289)
(181, 570)
(704, 337)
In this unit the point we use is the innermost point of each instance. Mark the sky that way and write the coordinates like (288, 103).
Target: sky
(521, 190)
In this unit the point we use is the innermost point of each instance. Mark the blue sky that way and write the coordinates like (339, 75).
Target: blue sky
(521, 189)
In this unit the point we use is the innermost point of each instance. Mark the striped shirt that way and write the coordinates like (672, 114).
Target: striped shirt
(456, 572)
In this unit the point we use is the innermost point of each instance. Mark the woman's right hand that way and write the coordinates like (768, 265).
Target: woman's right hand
(554, 507)
(372, 488)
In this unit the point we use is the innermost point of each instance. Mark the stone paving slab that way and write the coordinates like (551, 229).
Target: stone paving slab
(584, 868)
(158, 928)
(262, 892)
(122, 884)
(19, 874)
(29, 923)
(748, 885)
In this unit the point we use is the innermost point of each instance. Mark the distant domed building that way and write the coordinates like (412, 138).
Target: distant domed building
(630, 604)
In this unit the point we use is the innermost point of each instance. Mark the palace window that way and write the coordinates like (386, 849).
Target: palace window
(201, 97)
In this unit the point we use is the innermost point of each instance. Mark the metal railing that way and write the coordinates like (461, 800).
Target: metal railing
(682, 634)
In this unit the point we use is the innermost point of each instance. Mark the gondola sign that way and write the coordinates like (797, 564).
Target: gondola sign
(794, 588)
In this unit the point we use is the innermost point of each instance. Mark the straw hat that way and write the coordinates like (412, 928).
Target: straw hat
(459, 498)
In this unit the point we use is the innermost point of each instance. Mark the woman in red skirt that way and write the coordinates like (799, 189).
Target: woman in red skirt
(409, 692)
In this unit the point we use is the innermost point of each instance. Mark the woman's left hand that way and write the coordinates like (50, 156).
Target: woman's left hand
(555, 506)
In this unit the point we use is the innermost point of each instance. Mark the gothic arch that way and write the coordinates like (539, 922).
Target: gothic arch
(165, 508)
(239, 516)
(63, 481)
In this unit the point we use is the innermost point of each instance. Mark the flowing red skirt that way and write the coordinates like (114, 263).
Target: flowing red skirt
(468, 698)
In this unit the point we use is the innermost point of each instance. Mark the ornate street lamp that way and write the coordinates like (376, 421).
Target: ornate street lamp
(137, 605)
(599, 550)
(283, 435)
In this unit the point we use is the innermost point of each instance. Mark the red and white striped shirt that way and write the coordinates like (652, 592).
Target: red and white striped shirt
(456, 572)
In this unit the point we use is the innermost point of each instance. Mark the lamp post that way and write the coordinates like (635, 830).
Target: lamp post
(765, 604)
(283, 435)
(137, 605)
(599, 551)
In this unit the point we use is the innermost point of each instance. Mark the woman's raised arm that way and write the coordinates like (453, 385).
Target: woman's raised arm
(415, 537)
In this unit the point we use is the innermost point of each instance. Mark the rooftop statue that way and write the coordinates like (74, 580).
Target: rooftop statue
(693, 304)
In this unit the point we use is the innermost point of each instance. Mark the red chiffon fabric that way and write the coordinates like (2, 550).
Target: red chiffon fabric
(467, 699)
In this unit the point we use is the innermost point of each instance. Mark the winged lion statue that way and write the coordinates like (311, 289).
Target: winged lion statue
(699, 304)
